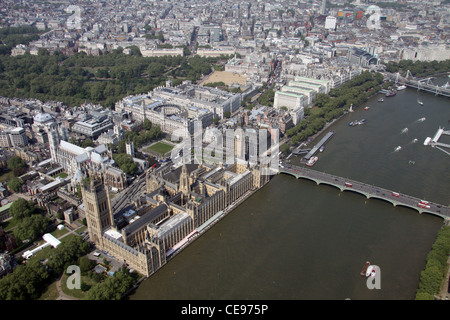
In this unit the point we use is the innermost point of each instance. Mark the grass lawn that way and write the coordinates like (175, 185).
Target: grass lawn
(51, 293)
(62, 175)
(160, 147)
(76, 293)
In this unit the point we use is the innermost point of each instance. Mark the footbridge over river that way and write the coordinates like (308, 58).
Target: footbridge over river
(369, 191)
(425, 84)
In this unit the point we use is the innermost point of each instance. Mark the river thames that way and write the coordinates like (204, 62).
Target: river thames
(295, 240)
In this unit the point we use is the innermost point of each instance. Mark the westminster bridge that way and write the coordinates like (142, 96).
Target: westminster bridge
(369, 191)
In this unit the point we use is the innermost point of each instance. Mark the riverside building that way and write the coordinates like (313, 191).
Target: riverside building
(177, 202)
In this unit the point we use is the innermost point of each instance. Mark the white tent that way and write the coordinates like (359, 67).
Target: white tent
(51, 240)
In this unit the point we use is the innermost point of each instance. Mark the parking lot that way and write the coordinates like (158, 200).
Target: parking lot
(100, 256)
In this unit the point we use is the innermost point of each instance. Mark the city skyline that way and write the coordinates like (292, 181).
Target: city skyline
(223, 93)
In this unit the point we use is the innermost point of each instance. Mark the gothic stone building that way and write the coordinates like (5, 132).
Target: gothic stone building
(176, 203)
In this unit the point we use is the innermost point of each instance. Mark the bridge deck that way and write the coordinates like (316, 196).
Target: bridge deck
(423, 84)
(369, 191)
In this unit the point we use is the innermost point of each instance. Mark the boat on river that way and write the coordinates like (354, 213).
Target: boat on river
(312, 161)
(391, 93)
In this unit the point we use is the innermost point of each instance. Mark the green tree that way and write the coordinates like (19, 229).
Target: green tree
(147, 125)
(285, 148)
(26, 282)
(432, 276)
(113, 288)
(85, 264)
(68, 252)
(126, 163)
(31, 227)
(87, 143)
(430, 280)
(15, 184)
(135, 51)
(267, 98)
(22, 208)
(16, 162)
(155, 69)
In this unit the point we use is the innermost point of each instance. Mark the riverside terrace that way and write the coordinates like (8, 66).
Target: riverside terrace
(367, 190)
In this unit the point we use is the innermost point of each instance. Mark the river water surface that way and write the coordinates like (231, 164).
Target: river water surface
(295, 240)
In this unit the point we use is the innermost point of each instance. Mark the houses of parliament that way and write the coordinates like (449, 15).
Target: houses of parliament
(176, 202)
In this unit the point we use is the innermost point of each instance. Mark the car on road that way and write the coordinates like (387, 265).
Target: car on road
(395, 194)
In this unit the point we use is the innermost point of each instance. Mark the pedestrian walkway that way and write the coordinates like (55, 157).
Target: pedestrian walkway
(62, 295)
(444, 294)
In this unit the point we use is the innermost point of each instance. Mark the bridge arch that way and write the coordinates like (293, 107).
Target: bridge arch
(365, 190)
(385, 199)
(433, 214)
(423, 211)
(299, 176)
(408, 206)
(354, 191)
(331, 184)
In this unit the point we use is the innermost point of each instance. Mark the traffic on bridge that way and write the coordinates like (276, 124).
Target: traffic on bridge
(367, 190)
